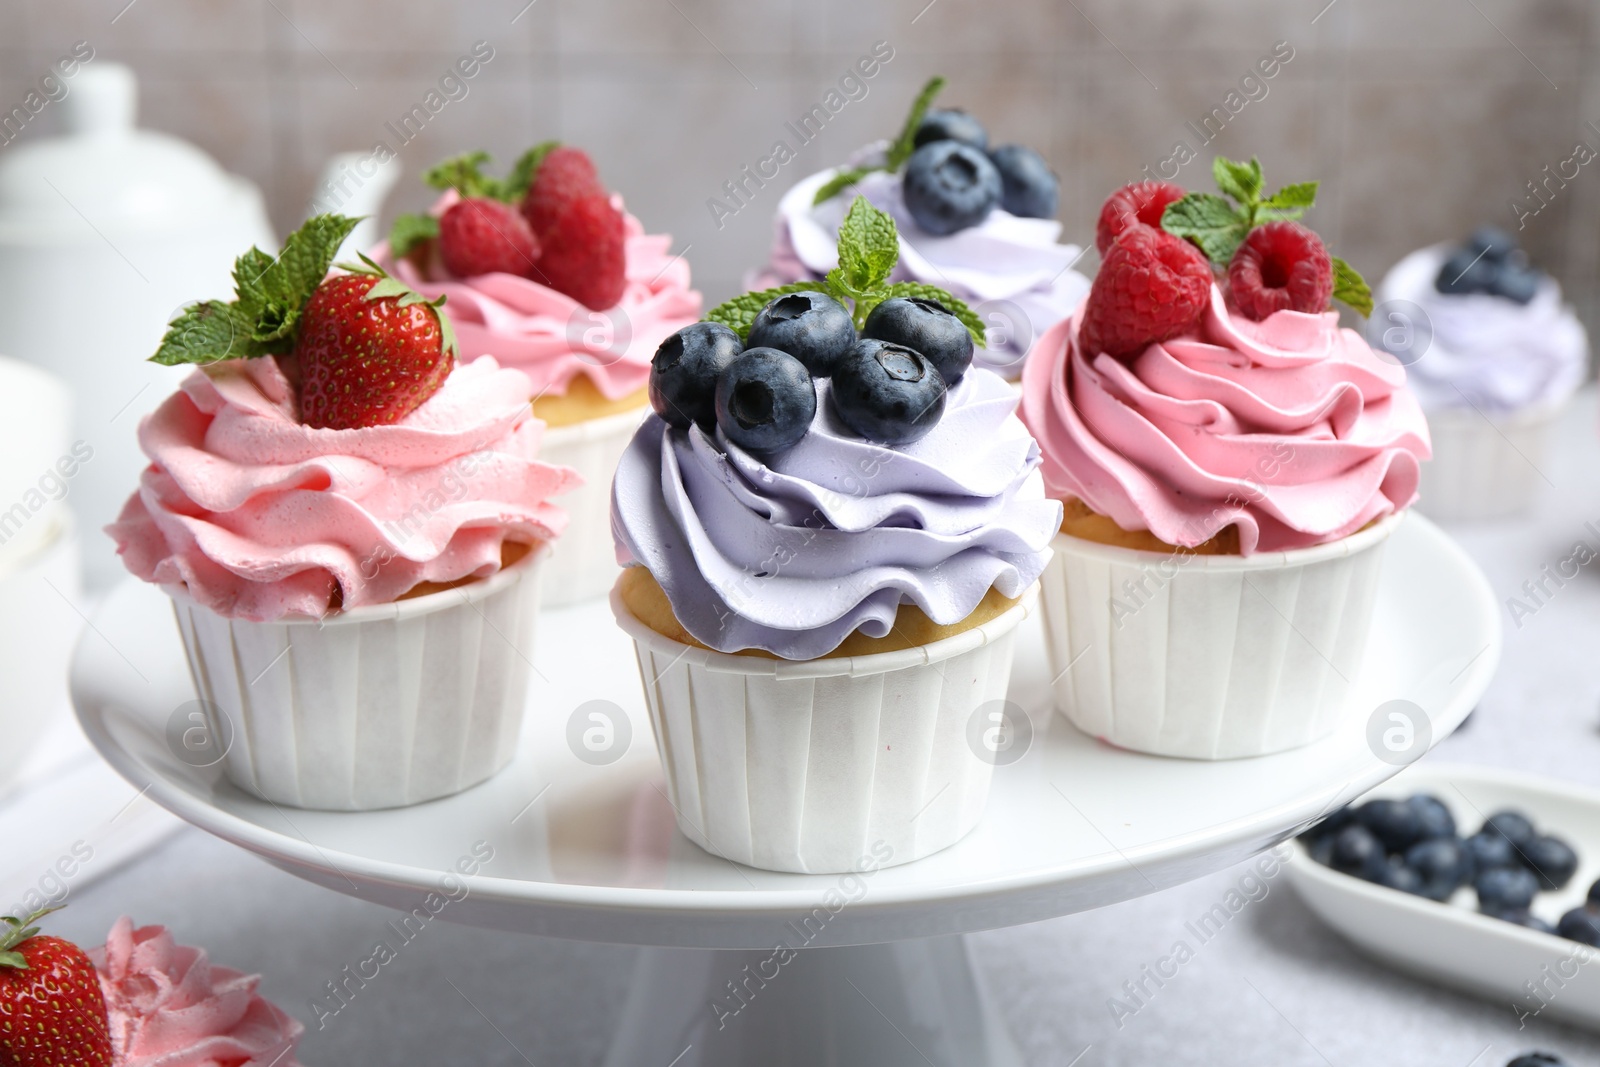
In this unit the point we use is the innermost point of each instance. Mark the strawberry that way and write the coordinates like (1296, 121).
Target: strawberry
(1151, 286)
(369, 351)
(585, 254)
(52, 1012)
(563, 176)
(1132, 204)
(482, 236)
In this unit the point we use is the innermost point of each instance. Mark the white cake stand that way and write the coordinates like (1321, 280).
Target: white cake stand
(882, 975)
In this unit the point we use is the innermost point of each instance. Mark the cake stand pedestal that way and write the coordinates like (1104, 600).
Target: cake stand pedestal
(872, 968)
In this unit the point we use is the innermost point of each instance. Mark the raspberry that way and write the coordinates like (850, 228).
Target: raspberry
(478, 236)
(1151, 286)
(584, 252)
(563, 176)
(1140, 202)
(1281, 266)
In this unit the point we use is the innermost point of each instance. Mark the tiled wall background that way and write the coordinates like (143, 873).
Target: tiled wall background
(1421, 117)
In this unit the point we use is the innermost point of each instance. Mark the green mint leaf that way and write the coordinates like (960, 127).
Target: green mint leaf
(954, 304)
(207, 332)
(1242, 181)
(464, 174)
(869, 246)
(902, 147)
(1210, 222)
(271, 304)
(1290, 202)
(841, 181)
(1350, 288)
(737, 314)
(409, 231)
(515, 186)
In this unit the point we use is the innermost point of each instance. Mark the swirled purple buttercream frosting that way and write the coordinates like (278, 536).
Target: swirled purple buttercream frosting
(794, 553)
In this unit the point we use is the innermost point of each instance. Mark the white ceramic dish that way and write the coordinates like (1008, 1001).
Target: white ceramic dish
(1451, 943)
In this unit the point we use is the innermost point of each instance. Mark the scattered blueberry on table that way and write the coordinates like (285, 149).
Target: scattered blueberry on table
(1413, 845)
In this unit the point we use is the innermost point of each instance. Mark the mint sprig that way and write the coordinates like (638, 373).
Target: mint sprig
(1218, 225)
(869, 248)
(271, 292)
(899, 150)
(464, 174)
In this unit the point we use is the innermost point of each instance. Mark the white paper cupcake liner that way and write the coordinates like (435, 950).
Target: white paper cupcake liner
(1209, 657)
(376, 707)
(584, 561)
(1485, 467)
(815, 766)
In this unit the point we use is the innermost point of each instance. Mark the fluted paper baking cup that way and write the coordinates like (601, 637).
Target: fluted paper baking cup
(1209, 657)
(1485, 466)
(583, 564)
(376, 707)
(816, 766)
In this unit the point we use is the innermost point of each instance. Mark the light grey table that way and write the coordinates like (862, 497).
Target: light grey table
(1273, 987)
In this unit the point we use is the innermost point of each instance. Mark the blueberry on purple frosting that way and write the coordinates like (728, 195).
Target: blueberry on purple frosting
(684, 371)
(812, 327)
(1489, 262)
(1028, 187)
(765, 401)
(949, 186)
(927, 326)
(887, 393)
(951, 124)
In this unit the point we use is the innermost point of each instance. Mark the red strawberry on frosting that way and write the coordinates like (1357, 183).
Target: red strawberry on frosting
(1151, 286)
(52, 1011)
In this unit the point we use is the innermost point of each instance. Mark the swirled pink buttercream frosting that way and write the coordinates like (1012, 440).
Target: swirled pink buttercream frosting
(551, 337)
(1291, 428)
(169, 1007)
(256, 516)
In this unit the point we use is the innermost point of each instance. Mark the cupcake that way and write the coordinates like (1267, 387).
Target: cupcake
(546, 272)
(351, 533)
(831, 527)
(1231, 462)
(140, 1000)
(974, 220)
(1494, 356)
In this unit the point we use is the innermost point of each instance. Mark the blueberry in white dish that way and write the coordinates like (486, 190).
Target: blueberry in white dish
(811, 326)
(1396, 874)
(1582, 925)
(950, 186)
(1433, 818)
(684, 372)
(951, 124)
(924, 324)
(887, 393)
(1551, 860)
(1393, 822)
(1442, 865)
(1505, 889)
(1511, 825)
(765, 401)
(1357, 852)
(1490, 850)
(1028, 187)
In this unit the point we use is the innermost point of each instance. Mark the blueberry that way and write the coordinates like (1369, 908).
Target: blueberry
(765, 401)
(1028, 187)
(1489, 851)
(1357, 852)
(1442, 864)
(1505, 889)
(927, 326)
(950, 186)
(1462, 274)
(1538, 1059)
(1511, 825)
(887, 393)
(1433, 817)
(1580, 924)
(1321, 849)
(812, 327)
(684, 370)
(1551, 860)
(1517, 283)
(1594, 895)
(1396, 875)
(1491, 242)
(1393, 822)
(951, 124)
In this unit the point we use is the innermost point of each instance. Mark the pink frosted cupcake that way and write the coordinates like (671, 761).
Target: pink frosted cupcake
(351, 534)
(547, 272)
(167, 1006)
(1231, 461)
